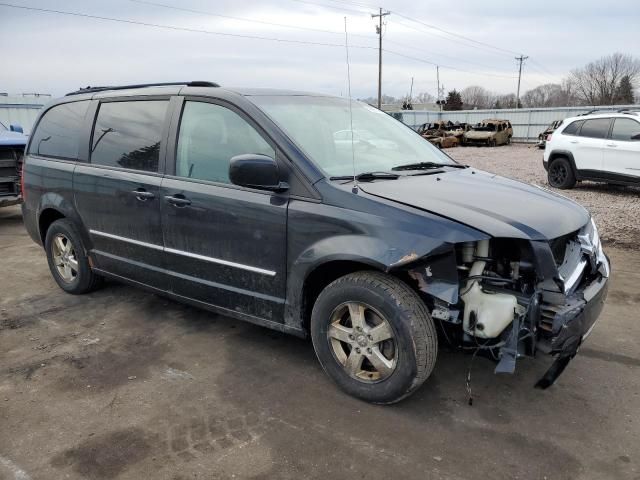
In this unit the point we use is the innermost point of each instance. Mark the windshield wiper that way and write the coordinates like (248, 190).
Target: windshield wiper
(427, 166)
(367, 176)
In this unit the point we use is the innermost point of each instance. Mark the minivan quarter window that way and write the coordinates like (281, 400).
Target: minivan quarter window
(128, 134)
(58, 132)
(625, 129)
(596, 128)
(210, 135)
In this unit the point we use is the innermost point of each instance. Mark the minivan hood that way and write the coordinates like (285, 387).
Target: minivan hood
(492, 204)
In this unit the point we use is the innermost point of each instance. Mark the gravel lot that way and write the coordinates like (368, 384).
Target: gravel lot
(615, 208)
(123, 384)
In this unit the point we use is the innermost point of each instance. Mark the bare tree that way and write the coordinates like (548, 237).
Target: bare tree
(598, 82)
(547, 95)
(424, 97)
(476, 97)
(506, 101)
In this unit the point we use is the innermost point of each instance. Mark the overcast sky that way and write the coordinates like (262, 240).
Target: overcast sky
(54, 53)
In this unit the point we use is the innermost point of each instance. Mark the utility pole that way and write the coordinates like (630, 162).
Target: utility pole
(411, 90)
(379, 31)
(521, 59)
(438, 77)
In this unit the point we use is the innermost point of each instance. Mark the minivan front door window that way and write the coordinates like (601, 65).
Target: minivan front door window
(210, 135)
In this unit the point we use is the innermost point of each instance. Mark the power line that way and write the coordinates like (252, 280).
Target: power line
(447, 66)
(429, 26)
(182, 29)
(422, 50)
(250, 20)
(331, 6)
(434, 27)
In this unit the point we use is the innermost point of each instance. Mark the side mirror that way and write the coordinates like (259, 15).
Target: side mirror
(256, 171)
(16, 128)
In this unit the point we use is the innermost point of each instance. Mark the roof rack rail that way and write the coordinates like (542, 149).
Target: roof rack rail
(629, 111)
(589, 112)
(196, 83)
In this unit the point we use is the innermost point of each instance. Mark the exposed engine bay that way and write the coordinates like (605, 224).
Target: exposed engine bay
(510, 298)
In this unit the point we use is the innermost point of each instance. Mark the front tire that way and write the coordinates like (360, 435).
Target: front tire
(67, 259)
(560, 174)
(374, 336)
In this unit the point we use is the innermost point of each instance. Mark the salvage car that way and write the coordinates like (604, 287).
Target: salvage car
(542, 138)
(437, 135)
(489, 132)
(12, 142)
(457, 129)
(245, 203)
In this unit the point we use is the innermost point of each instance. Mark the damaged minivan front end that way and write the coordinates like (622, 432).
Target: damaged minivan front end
(535, 280)
(512, 298)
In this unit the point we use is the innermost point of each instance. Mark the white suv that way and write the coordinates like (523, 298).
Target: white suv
(604, 147)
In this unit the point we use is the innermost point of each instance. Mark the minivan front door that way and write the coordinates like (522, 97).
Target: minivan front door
(224, 245)
(118, 193)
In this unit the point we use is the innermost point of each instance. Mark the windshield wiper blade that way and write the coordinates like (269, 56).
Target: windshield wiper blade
(365, 176)
(427, 165)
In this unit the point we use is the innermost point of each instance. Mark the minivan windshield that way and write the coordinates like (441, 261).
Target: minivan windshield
(321, 127)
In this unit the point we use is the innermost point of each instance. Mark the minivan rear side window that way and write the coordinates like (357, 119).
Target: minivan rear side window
(596, 128)
(58, 132)
(128, 134)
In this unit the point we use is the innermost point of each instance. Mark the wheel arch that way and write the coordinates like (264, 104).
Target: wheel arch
(322, 275)
(555, 154)
(46, 218)
(53, 206)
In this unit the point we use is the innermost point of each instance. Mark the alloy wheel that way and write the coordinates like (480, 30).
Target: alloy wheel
(558, 173)
(363, 342)
(64, 258)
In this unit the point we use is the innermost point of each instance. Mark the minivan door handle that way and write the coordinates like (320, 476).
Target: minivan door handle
(142, 195)
(177, 200)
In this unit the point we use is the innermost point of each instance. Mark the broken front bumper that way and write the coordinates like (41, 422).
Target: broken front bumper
(8, 200)
(573, 322)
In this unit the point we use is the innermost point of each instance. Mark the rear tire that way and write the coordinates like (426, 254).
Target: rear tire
(374, 336)
(560, 174)
(67, 259)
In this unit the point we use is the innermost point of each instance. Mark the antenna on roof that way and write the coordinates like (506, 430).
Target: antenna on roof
(353, 153)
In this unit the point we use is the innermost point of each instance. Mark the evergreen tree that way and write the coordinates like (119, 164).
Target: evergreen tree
(624, 92)
(454, 101)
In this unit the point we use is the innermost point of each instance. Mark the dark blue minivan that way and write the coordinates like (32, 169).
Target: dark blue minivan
(313, 215)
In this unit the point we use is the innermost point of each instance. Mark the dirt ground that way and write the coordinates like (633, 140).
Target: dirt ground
(125, 384)
(615, 208)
